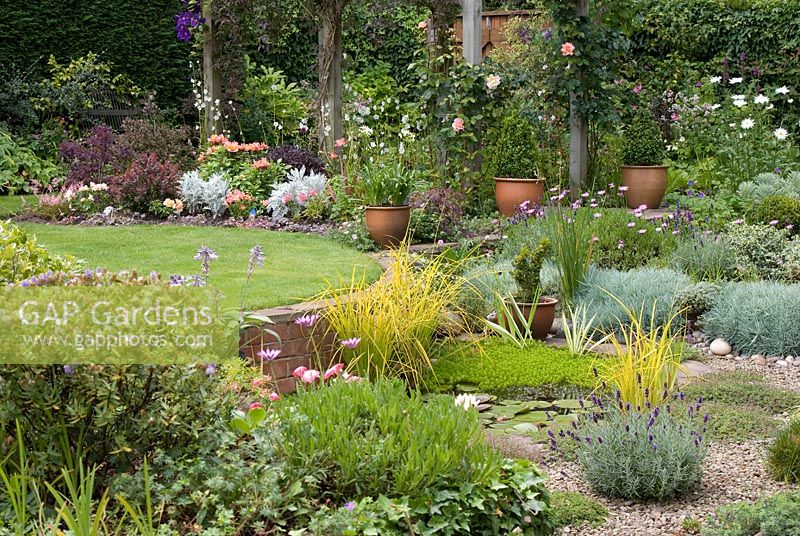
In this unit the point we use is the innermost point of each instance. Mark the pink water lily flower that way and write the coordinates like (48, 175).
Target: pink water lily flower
(333, 371)
(310, 376)
(299, 371)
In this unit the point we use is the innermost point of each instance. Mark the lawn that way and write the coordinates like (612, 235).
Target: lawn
(11, 204)
(295, 268)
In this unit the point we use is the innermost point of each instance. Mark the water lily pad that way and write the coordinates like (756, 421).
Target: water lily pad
(539, 404)
(508, 411)
(502, 425)
(533, 416)
(569, 403)
(483, 407)
(483, 398)
(509, 402)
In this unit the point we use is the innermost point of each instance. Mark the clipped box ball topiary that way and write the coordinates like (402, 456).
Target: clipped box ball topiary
(780, 210)
(644, 142)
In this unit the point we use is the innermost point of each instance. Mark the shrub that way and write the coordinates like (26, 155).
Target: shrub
(20, 168)
(514, 155)
(705, 258)
(575, 510)
(783, 457)
(759, 250)
(781, 209)
(147, 179)
(304, 195)
(199, 195)
(696, 299)
(641, 454)
(21, 258)
(764, 185)
(502, 366)
(94, 158)
(296, 157)
(644, 142)
(245, 165)
(385, 185)
(527, 265)
(637, 290)
(778, 515)
(153, 136)
(757, 318)
(625, 242)
(437, 214)
(112, 415)
(369, 451)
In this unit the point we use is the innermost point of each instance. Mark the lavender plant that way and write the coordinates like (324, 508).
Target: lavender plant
(640, 452)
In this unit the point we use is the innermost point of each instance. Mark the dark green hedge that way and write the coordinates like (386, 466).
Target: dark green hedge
(138, 36)
(705, 32)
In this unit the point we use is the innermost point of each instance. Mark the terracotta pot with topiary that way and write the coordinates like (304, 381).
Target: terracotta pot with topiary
(533, 313)
(644, 177)
(514, 163)
(385, 189)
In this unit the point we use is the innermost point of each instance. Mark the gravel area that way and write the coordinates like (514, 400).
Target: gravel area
(732, 472)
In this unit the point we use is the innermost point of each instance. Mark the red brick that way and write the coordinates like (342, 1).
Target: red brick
(287, 385)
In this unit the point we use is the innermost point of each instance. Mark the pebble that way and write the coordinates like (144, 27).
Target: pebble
(761, 361)
(720, 347)
(781, 363)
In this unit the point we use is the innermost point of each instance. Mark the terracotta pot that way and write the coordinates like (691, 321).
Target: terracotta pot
(510, 193)
(542, 319)
(387, 225)
(646, 185)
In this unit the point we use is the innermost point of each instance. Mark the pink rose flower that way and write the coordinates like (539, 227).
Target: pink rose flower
(458, 124)
(567, 49)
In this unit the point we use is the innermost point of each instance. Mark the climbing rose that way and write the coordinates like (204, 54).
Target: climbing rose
(567, 49)
(458, 124)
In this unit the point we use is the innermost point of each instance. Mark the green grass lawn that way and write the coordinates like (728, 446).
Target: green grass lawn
(295, 266)
(11, 204)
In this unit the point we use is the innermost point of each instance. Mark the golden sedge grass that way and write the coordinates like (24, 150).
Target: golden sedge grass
(647, 360)
(399, 318)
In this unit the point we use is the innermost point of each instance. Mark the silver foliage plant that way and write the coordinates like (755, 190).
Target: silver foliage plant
(766, 184)
(199, 195)
(295, 192)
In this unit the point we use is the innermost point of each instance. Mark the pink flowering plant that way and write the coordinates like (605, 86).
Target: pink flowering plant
(305, 195)
(246, 166)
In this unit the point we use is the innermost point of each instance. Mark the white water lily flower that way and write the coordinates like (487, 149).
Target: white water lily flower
(781, 133)
(747, 123)
(761, 99)
(466, 401)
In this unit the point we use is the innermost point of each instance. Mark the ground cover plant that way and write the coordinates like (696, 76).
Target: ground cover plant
(295, 268)
(502, 366)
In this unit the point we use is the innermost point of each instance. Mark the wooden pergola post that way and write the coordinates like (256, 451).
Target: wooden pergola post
(578, 131)
(330, 120)
(472, 39)
(211, 77)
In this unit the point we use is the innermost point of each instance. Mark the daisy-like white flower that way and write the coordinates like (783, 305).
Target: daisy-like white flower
(783, 90)
(715, 79)
(747, 123)
(737, 80)
(738, 97)
(740, 103)
(761, 99)
(781, 133)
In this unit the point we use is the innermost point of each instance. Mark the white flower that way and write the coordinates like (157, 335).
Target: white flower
(366, 130)
(739, 103)
(747, 123)
(492, 81)
(783, 90)
(781, 133)
(737, 80)
(715, 79)
(716, 106)
(738, 97)
(761, 99)
(466, 401)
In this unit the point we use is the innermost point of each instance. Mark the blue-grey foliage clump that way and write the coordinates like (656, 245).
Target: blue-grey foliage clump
(757, 318)
(637, 289)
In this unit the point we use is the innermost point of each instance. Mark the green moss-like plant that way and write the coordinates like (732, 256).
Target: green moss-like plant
(778, 515)
(644, 142)
(514, 154)
(574, 509)
(503, 366)
(527, 266)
